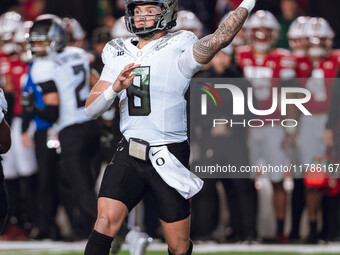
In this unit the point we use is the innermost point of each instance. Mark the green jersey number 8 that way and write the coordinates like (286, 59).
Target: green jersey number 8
(138, 92)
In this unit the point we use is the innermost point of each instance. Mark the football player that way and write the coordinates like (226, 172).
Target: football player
(317, 68)
(298, 43)
(62, 73)
(19, 163)
(150, 74)
(5, 144)
(261, 63)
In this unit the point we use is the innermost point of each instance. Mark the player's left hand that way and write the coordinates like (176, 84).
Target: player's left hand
(27, 101)
(27, 140)
(124, 79)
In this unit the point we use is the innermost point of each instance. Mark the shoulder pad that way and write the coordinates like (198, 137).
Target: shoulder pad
(41, 70)
(182, 38)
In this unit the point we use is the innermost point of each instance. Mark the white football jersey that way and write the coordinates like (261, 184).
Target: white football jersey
(153, 108)
(70, 72)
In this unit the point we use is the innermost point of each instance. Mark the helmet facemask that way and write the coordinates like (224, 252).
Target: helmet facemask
(40, 47)
(298, 46)
(264, 30)
(319, 47)
(263, 39)
(162, 21)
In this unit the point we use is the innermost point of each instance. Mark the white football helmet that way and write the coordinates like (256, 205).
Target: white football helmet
(164, 21)
(46, 36)
(320, 35)
(264, 30)
(187, 20)
(10, 22)
(75, 32)
(297, 36)
(119, 29)
(21, 37)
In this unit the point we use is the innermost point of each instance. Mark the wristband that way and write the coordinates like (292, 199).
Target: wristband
(109, 93)
(248, 4)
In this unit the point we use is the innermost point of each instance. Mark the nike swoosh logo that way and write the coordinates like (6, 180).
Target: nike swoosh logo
(153, 154)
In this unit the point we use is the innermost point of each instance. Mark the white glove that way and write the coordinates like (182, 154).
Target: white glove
(3, 105)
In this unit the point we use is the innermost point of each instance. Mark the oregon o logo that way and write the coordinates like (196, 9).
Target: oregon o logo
(160, 161)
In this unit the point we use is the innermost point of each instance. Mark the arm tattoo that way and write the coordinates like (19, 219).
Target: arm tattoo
(206, 48)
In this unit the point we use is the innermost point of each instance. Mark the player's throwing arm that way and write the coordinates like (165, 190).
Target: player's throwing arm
(206, 48)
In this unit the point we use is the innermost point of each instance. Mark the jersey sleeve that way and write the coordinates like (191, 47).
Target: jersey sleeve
(108, 56)
(186, 62)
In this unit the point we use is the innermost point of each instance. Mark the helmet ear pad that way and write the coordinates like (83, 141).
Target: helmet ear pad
(163, 21)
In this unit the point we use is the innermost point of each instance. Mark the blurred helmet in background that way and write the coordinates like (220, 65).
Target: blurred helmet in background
(10, 22)
(119, 29)
(320, 36)
(75, 33)
(20, 38)
(263, 30)
(46, 36)
(297, 36)
(187, 20)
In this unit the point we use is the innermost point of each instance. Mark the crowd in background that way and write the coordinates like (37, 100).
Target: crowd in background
(36, 197)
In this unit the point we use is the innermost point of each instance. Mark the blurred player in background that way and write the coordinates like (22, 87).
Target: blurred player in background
(19, 163)
(298, 43)
(45, 150)
(261, 63)
(5, 144)
(63, 74)
(317, 67)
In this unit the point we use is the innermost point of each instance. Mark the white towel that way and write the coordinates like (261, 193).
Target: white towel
(172, 171)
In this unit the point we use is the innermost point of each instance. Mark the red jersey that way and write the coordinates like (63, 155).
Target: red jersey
(261, 70)
(15, 73)
(318, 78)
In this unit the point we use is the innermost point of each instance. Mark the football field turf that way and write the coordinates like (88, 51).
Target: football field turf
(160, 253)
(77, 248)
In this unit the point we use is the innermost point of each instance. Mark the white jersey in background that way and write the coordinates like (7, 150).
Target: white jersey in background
(153, 108)
(70, 71)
